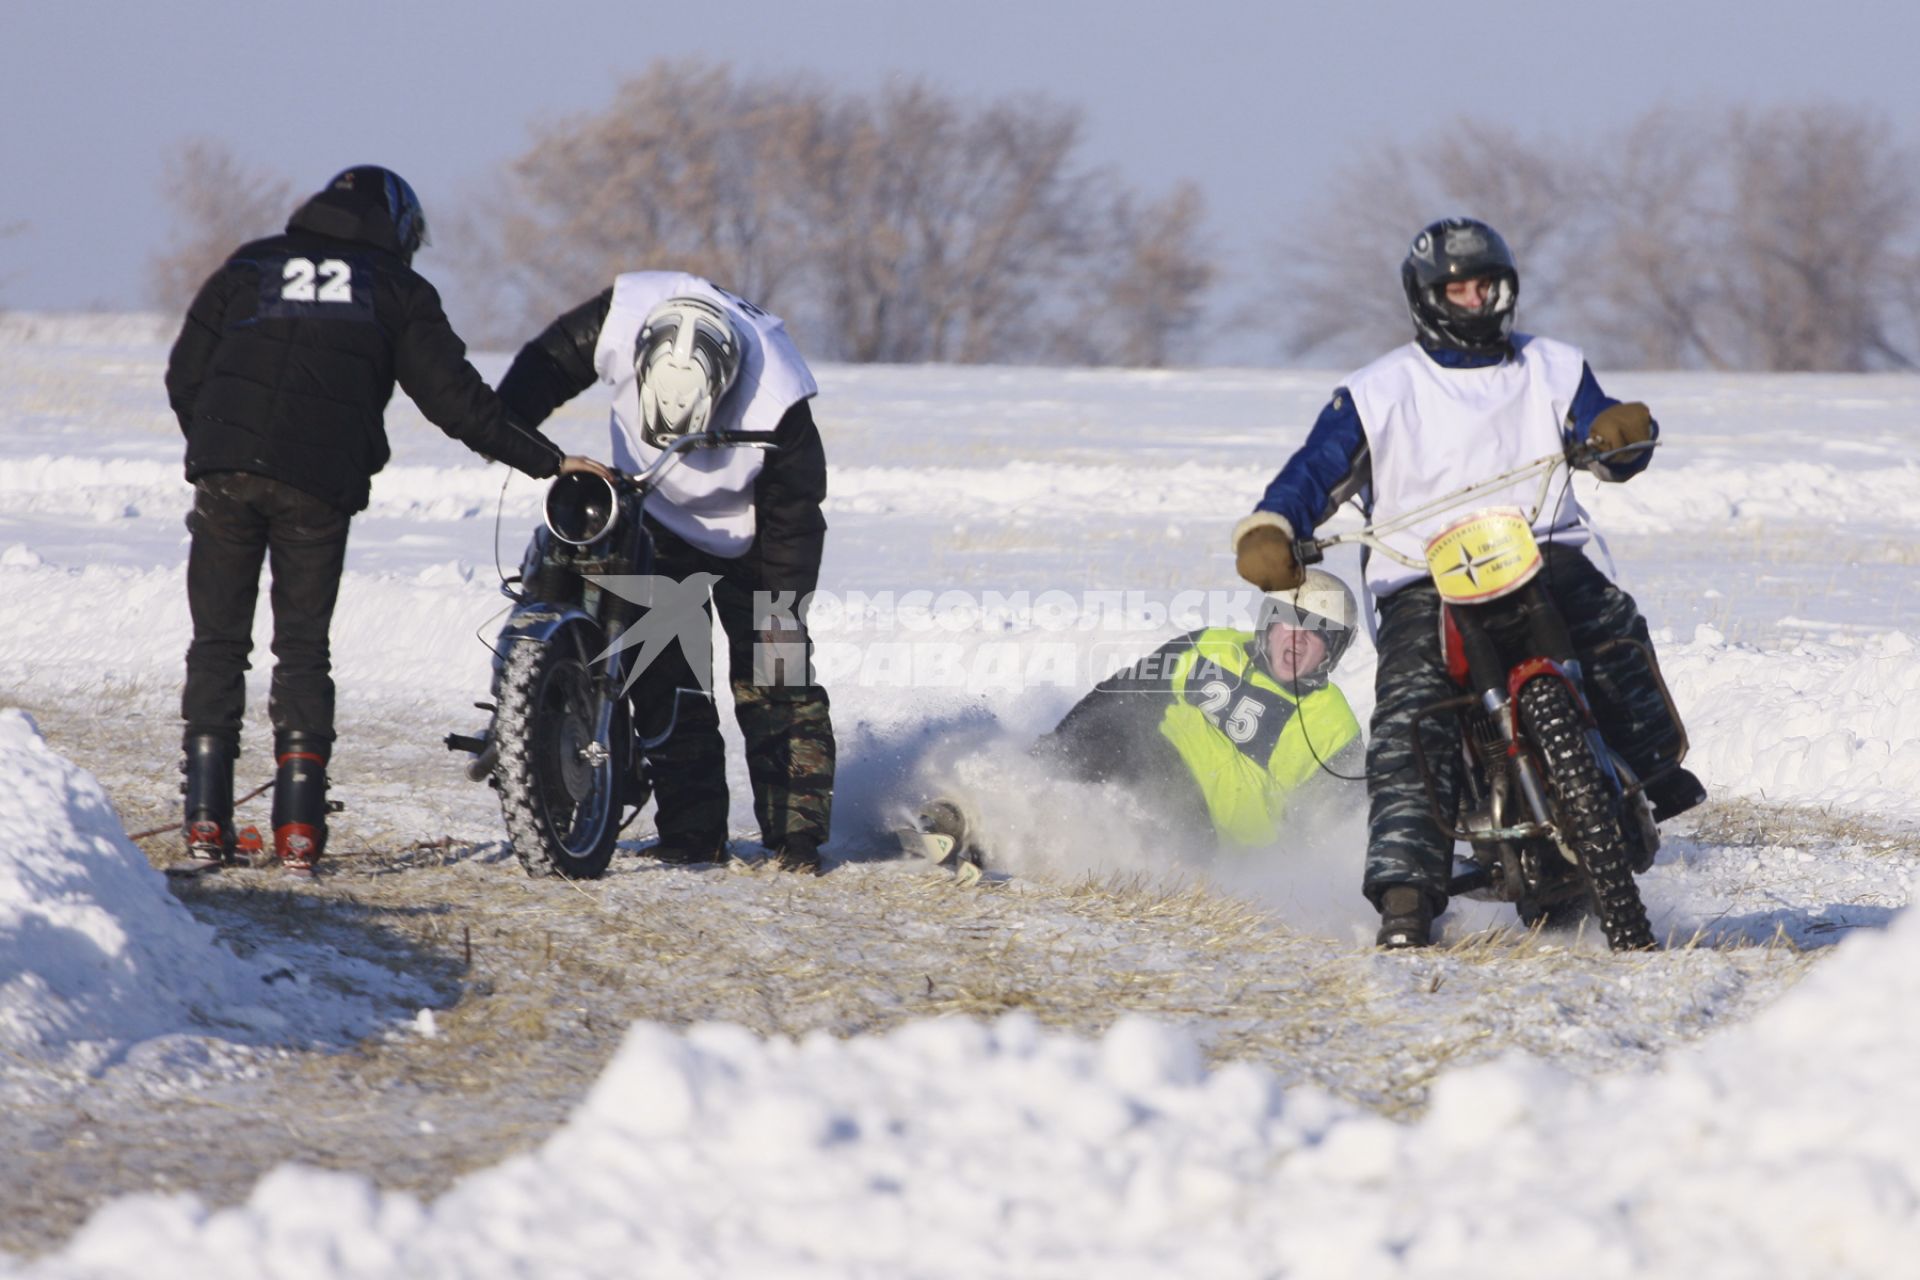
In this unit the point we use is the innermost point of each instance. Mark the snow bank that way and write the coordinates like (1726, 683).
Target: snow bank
(948, 1148)
(95, 953)
(1670, 497)
(1833, 726)
(104, 975)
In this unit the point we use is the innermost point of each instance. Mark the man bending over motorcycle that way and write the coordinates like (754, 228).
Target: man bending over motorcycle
(683, 356)
(1466, 400)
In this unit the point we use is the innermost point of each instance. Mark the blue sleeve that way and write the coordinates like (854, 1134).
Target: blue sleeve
(1588, 403)
(1323, 472)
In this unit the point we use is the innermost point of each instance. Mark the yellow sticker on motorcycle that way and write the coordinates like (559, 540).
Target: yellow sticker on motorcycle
(1483, 556)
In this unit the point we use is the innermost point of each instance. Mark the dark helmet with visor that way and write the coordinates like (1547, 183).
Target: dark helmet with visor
(1455, 249)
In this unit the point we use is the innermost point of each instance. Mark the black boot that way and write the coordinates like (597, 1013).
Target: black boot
(209, 797)
(801, 853)
(1674, 794)
(1406, 918)
(690, 850)
(300, 799)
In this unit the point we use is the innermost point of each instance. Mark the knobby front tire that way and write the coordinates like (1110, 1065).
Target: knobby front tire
(562, 809)
(1587, 810)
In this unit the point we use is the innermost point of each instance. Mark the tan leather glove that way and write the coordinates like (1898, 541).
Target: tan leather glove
(1263, 553)
(1621, 425)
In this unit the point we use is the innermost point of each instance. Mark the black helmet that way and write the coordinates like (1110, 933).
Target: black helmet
(403, 207)
(1460, 249)
(581, 508)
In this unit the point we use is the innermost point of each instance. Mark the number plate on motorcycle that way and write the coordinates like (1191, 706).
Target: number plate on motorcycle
(1483, 556)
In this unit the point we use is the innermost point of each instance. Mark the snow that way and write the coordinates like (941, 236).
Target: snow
(100, 964)
(1785, 611)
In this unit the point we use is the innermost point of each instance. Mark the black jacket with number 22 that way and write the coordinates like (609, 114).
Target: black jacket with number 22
(290, 352)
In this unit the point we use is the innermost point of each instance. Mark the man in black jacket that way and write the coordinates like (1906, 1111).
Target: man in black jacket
(683, 356)
(280, 379)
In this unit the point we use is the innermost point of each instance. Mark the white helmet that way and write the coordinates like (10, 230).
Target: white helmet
(1321, 603)
(685, 359)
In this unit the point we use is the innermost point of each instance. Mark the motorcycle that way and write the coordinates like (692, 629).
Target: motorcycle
(1556, 821)
(562, 749)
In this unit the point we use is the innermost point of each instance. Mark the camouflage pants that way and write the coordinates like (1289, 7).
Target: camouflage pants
(1404, 846)
(783, 716)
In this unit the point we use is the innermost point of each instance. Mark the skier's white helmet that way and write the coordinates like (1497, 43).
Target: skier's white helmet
(685, 359)
(1321, 603)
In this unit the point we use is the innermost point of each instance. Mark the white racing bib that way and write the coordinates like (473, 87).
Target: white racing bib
(707, 498)
(1432, 430)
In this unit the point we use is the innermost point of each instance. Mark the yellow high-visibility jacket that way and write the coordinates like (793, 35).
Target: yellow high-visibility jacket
(1201, 706)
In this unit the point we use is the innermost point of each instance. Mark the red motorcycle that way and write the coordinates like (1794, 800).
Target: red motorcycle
(1556, 821)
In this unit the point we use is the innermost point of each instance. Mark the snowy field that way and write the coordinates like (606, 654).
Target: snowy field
(1165, 1064)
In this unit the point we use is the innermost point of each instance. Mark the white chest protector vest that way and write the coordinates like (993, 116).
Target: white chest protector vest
(707, 498)
(1433, 430)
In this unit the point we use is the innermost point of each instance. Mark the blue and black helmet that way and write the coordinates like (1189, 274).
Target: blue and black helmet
(403, 206)
(1455, 249)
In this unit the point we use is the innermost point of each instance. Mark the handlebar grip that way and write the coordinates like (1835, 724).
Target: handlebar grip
(1308, 551)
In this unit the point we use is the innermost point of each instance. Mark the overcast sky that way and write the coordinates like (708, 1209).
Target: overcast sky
(1257, 101)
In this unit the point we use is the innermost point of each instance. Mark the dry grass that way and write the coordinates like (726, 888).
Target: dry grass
(534, 984)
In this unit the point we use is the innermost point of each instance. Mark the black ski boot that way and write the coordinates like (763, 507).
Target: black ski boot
(691, 851)
(300, 799)
(1406, 918)
(208, 789)
(1674, 794)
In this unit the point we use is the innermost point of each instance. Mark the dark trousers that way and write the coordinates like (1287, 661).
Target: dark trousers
(1114, 736)
(1404, 846)
(238, 520)
(783, 715)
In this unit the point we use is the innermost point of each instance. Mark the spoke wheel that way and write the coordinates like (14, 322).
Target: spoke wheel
(560, 777)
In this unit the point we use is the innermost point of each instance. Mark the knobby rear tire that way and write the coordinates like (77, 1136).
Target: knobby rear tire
(1588, 812)
(541, 723)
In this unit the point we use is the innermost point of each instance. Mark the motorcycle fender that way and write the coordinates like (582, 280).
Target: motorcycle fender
(540, 622)
(1528, 670)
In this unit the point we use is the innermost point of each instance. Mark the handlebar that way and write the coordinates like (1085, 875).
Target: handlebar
(1313, 550)
(642, 481)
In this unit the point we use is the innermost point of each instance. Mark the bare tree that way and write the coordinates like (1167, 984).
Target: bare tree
(1144, 301)
(1820, 201)
(1650, 297)
(1781, 239)
(687, 168)
(219, 203)
(903, 226)
(1339, 271)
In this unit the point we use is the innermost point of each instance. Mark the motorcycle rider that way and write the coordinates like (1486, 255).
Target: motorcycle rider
(1217, 728)
(682, 356)
(280, 378)
(1468, 398)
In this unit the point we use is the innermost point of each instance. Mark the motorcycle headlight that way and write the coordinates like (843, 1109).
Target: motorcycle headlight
(581, 508)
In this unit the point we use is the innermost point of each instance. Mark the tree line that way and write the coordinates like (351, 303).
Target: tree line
(1780, 239)
(910, 225)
